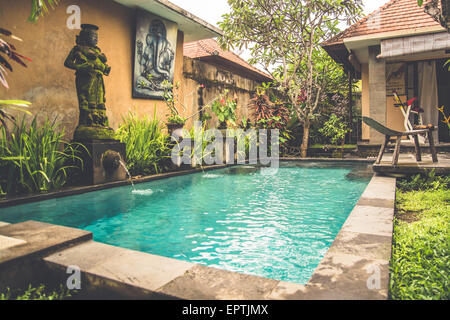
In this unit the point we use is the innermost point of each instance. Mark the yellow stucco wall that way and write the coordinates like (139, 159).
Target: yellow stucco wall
(50, 86)
(394, 116)
(216, 79)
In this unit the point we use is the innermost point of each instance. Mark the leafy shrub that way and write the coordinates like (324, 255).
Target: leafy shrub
(36, 293)
(36, 159)
(147, 146)
(424, 181)
(335, 129)
(225, 110)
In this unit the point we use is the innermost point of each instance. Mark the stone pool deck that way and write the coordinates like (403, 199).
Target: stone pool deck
(355, 267)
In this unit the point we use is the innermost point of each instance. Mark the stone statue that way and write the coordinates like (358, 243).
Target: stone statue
(90, 66)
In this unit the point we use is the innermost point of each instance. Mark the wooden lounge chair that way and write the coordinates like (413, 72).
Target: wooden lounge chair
(388, 133)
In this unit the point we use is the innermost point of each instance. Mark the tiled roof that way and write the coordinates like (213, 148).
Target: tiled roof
(396, 15)
(210, 48)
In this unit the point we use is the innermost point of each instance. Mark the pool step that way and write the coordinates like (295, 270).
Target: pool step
(26, 243)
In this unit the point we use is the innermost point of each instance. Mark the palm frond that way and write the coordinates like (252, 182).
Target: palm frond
(40, 7)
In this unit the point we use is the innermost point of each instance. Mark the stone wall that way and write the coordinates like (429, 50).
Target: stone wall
(216, 79)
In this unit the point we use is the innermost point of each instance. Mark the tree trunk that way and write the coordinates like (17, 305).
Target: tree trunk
(305, 142)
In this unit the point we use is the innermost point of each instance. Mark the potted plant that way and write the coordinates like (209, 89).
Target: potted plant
(225, 110)
(175, 120)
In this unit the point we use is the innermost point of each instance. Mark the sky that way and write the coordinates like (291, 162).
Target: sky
(211, 11)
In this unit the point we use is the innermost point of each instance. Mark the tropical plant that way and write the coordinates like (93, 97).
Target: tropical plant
(225, 109)
(288, 34)
(9, 105)
(36, 293)
(147, 146)
(171, 99)
(335, 129)
(446, 119)
(8, 52)
(245, 123)
(268, 114)
(40, 7)
(424, 181)
(36, 159)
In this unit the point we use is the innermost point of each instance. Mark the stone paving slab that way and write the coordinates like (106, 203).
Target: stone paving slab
(370, 224)
(380, 188)
(202, 282)
(352, 274)
(364, 245)
(41, 238)
(133, 268)
(7, 242)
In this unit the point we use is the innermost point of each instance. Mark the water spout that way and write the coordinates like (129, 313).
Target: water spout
(128, 173)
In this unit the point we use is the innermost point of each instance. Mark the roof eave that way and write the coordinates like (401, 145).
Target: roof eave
(192, 26)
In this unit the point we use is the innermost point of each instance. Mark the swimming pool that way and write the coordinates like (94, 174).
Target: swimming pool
(235, 219)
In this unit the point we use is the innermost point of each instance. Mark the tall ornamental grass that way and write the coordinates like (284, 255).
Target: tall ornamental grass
(148, 147)
(35, 159)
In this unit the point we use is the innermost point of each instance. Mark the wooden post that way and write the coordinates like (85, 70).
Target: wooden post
(417, 147)
(432, 147)
(396, 151)
(383, 146)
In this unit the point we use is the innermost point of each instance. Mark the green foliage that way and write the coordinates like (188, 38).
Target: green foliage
(8, 105)
(335, 129)
(424, 181)
(176, 119)
(172, 100)
(8, 54)
(36, 159)
(40, 7)
(225, 110)
(288, 34)
(36, 293)
(420, 264)
(147, 146)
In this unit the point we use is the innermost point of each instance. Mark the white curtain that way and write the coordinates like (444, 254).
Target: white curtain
(428, 93)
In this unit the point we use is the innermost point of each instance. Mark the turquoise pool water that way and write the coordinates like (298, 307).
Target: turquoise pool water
(235, 219)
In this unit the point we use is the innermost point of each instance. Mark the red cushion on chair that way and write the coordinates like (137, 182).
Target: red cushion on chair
(410, 102)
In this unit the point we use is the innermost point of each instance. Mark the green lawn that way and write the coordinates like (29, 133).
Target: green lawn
(420, 264)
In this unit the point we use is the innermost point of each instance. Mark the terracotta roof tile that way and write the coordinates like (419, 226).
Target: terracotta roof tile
(396, 15)
(210, 47)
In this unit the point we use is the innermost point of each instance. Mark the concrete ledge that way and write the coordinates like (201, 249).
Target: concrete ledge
(140, 275)
(38, 239)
